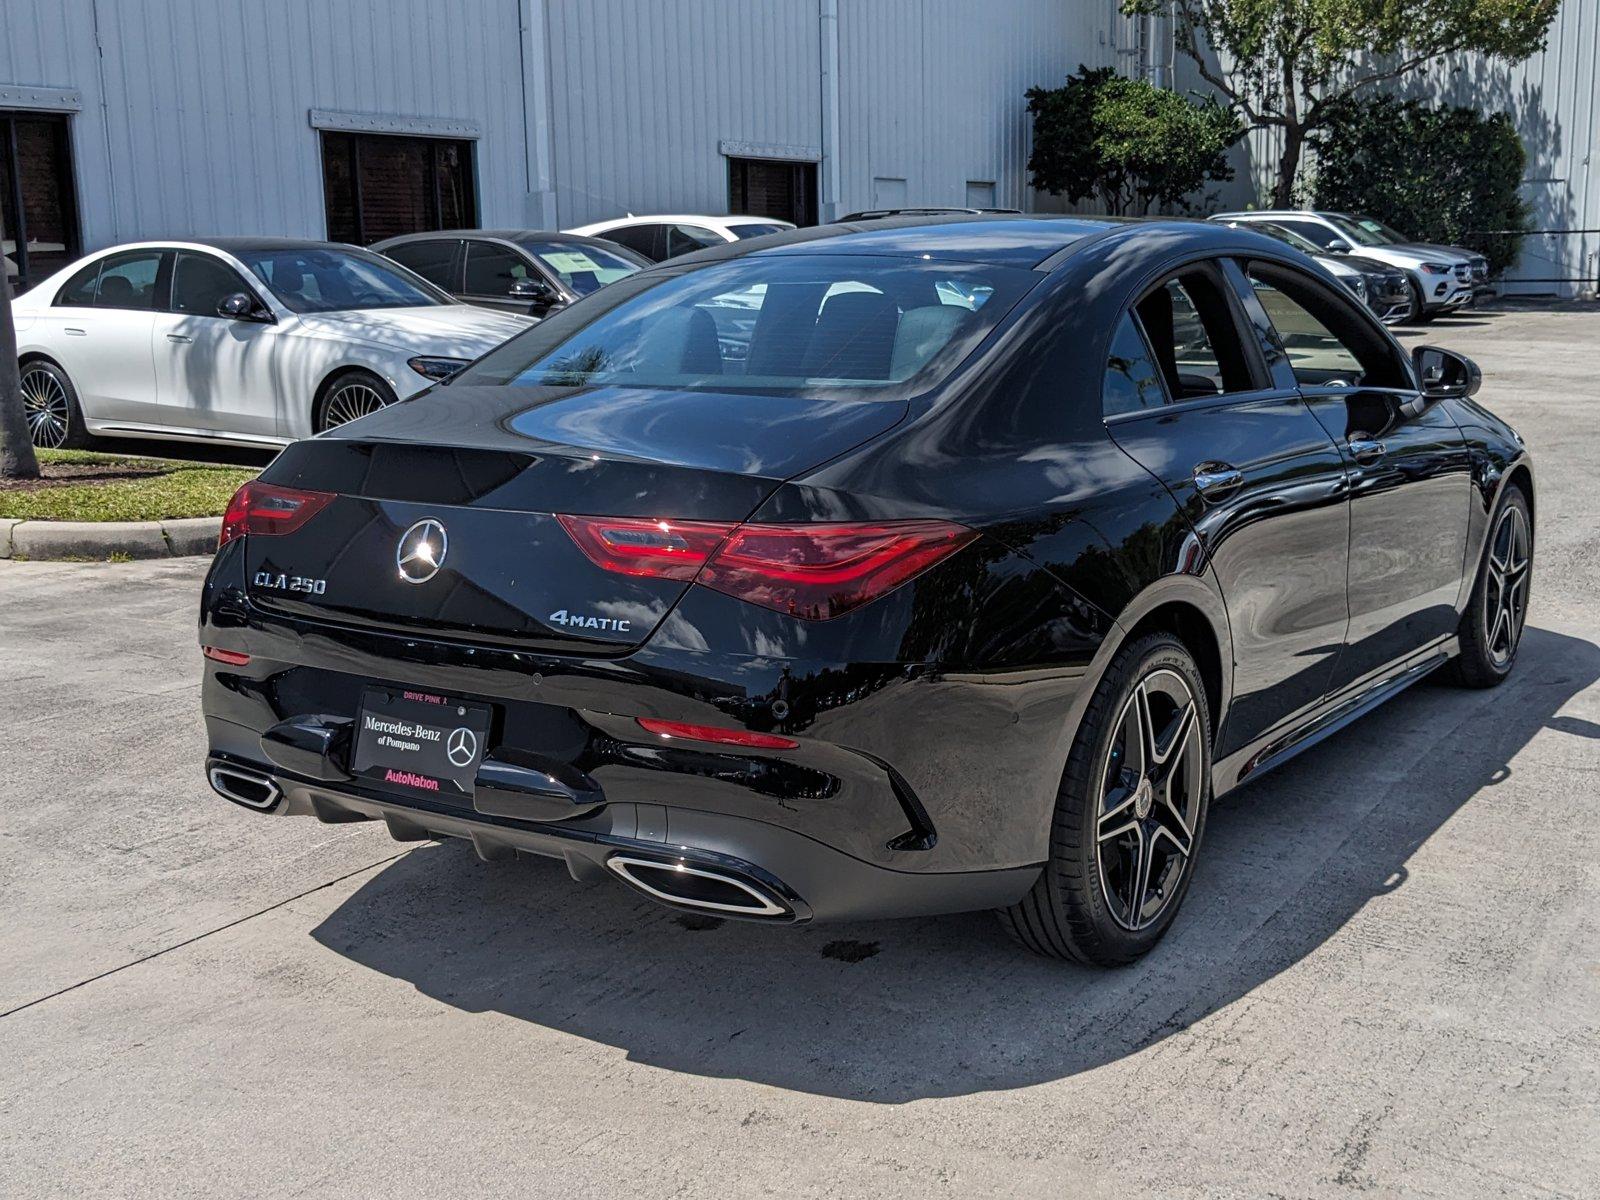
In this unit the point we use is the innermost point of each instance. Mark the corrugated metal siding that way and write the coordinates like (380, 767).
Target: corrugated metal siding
(643, 93)
(207, 127)
(932, 92)
(1554, 97)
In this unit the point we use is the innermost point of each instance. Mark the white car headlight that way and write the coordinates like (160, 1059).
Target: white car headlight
(436, 369)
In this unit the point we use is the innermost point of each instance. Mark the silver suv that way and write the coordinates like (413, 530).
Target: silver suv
(1442, 278)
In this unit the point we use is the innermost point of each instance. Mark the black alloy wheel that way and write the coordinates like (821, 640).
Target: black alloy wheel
(1130, 813)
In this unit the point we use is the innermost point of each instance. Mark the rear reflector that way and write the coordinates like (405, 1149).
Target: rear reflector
(810, 571)
(715, 733)
(266, 509)
(232, 657)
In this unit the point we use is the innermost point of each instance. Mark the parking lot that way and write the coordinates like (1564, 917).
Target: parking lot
(1386, 977)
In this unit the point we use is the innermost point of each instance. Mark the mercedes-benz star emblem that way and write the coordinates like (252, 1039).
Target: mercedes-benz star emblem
(462, 747)
(421, 551)
(1142, 799)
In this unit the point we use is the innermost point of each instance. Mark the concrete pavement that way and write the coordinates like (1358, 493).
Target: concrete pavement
(1386, 978)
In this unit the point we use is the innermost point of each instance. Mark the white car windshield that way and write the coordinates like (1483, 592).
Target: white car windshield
(333, 279)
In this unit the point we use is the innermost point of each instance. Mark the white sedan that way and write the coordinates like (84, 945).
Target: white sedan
(659, 238)
(256, 341)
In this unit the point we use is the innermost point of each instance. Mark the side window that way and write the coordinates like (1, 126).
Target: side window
(433, 259)
(79, 290)
(648, 240)
(491, 269)
(1192, 332)
(684, 239)
(200, 283)
(1327, 341)
(128, 280)
(1132, 381)
(1312, 230)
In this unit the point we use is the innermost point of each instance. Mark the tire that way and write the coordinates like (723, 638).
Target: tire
(348, 396)
(55, 419)
(1491, 628)
(1082, 908)
(1418, 313)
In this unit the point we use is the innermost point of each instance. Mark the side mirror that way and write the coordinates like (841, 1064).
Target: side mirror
(532, 290)
(241, 306)
(1444, 374)
(1337, 247)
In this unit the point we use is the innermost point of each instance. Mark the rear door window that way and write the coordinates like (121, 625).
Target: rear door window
(649, 240)
(433, 259)
(1195, 338)
(128, 280)
(1132, 380)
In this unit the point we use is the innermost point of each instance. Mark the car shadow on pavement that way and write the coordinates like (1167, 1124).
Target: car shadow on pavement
(895, 1011)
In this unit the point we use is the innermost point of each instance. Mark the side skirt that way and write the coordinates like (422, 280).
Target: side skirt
(1340, 711)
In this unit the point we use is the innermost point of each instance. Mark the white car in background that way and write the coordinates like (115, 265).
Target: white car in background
(661, 237)
(256, 341)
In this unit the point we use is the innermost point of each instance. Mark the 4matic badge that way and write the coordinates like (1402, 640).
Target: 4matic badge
(579, 621)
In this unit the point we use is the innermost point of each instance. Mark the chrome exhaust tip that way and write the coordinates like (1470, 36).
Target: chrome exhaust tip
(243, 786)
(697, 886)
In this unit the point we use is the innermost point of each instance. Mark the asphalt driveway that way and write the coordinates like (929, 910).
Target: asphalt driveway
(1386, 977)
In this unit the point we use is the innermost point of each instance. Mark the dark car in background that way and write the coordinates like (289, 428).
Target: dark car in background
(529, 271)
(966, 581)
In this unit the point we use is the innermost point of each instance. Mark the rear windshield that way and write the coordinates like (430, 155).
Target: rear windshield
(792, 323)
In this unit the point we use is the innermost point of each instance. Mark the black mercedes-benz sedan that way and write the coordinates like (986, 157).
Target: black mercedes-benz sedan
(925, 565)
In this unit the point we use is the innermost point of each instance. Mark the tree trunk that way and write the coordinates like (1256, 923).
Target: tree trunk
(17, 459)
(1294, 138)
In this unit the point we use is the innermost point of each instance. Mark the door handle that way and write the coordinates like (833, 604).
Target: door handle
(74, 331)
(1214, 480)
(1366, 450)
(179, 337)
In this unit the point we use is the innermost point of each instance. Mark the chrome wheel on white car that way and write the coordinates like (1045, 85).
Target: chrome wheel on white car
(351, 397)
(49, 412)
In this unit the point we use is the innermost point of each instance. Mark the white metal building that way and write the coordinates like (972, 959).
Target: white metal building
(358, 119)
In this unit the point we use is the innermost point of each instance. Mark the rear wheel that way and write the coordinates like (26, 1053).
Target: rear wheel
(1491, 628)
(55, 421)
(348, 397)
(1129, 815)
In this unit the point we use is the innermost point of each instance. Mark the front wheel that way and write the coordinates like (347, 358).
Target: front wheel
(1418, 313)
(1129, 814)
(1491, 628)
(348, 397)
(55, 420)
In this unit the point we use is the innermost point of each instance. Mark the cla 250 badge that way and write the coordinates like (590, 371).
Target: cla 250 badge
(579, 621)
(290, 583)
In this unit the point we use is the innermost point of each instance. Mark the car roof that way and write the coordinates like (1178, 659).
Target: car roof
(1001, 239)
(502, 235)
(233, 245)
(684, 218)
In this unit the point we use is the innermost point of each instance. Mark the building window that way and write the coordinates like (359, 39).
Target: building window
(766, 187)
(379, 185)
(38, 206)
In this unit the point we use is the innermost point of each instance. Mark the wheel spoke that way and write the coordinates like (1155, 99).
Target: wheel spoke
(1139, 876)
(1114, 817)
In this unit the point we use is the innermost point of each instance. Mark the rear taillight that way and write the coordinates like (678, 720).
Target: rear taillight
(632, 546)
(809, 571)
(265, 508)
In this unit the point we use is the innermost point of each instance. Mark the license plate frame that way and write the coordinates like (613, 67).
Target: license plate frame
(419, 742)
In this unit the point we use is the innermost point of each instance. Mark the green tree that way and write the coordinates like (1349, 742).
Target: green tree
(1284, 62)
(1126, 142)
(17, 459)
(1446, 174)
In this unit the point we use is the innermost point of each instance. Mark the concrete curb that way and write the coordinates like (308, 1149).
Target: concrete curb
(100, 540)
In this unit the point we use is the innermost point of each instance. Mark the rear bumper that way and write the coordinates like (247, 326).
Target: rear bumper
(697, 861)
